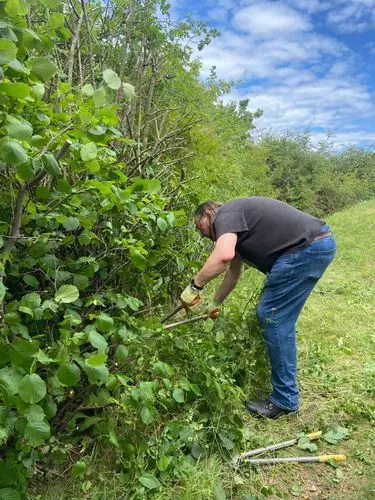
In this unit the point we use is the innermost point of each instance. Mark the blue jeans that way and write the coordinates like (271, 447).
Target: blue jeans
(289, 283)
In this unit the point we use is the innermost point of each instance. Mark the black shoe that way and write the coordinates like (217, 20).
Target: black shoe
(266, 409)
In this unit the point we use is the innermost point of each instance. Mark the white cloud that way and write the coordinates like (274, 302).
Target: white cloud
(289, 66)
(328, 103)
(344, 139)
(243, 57)
(268, 19)
(352, 16)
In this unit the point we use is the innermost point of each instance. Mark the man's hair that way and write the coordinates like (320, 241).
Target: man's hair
(207, 205)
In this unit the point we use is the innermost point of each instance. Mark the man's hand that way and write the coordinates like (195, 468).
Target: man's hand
(211, 307)
(190, 296)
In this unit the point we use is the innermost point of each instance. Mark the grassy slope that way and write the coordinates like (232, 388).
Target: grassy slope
(336, 337)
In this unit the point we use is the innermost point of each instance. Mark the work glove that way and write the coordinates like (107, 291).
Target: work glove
(212, 308)
(190, 296)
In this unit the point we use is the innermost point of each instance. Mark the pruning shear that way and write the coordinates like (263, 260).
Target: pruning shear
(213, 315)
(244, 457)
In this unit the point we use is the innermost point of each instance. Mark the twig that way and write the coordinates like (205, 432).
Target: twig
(91, 408)
(73, 48)
(181, 183)
(91, 55)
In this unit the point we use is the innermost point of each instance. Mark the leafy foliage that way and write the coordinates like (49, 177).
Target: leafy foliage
(336, 435)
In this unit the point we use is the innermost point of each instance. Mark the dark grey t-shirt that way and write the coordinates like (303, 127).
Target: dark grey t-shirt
(266, 228)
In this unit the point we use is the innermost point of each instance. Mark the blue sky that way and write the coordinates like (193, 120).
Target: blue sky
(308, 64)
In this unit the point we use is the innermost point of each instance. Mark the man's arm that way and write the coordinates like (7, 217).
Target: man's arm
(231, 278)
(223, 253)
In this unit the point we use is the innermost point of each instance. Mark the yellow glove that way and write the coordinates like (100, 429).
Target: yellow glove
(190, 296)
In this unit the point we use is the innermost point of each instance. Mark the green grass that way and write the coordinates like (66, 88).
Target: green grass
(336, 339)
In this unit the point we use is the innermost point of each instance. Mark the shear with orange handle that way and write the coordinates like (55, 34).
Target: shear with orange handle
(213, 315)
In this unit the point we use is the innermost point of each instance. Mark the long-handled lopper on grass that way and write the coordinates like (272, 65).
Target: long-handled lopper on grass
(244, 457)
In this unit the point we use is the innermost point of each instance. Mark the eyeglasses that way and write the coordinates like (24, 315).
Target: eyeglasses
(197, 225)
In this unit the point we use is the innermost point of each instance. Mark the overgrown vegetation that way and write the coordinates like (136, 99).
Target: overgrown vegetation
(107, 139)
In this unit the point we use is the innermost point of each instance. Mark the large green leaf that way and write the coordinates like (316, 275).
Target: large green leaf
(150, 481)
(67, 294)
(50, 165)
(32, 388)
(147, 415)
(12, 318)
(18, 90)
(16, 65)
(163, 369)
(34, 413)
(121, 354)
(43, 68)
(88, 89)
(104, 322)
(178, 395)
(36, 432)
(64, 187)
(10, 377)
(96, 374)
(163, 462)
(79, 469)
(97, 359)
(68, 374)
(100, 97)
(97, 341)
(304, 443)
(129, 91)
(16, 7)
(8, 51)
(97, 131)
(31, 280)
(43, 193)
(56, 20)
(112, 79)
(336, 434)
(31, 300)
(162, 224)
(71, 223)
(38, 90)
(21, 353)
(89, 151)
(9, 494)
(19, 129)
(81, 281)
(12, 152)
(139, 260)
(25, 171)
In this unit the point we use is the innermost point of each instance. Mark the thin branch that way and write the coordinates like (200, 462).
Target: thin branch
(73, 48)
(181, 183)
(179, 160)
(91, 55)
